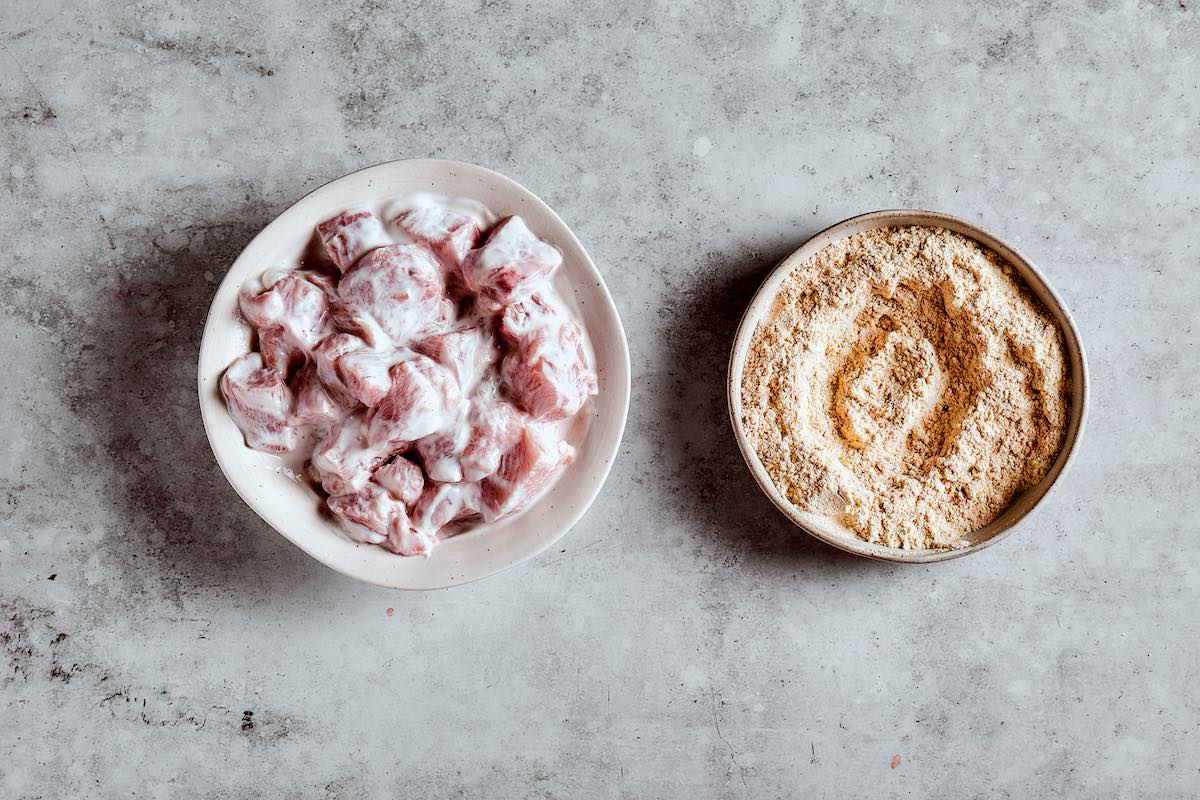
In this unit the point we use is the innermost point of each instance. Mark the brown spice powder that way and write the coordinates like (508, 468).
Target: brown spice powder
(907, 386)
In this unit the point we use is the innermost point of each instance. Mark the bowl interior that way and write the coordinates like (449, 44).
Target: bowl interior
(294, 509)
(1026, 502)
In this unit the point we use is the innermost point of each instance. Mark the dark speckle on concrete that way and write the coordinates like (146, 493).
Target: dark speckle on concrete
(209, 56)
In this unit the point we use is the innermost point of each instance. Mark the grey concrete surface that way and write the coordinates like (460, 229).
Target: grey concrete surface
(157, 639)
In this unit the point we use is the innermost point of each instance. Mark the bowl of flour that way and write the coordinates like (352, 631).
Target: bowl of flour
(906, 386)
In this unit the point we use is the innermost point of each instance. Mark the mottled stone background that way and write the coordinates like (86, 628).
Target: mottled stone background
(158, 639)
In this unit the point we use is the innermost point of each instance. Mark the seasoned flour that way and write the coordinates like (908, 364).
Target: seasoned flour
(906, 385)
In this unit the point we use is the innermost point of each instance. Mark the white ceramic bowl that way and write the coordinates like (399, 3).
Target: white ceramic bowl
(1026, 502)
(295, 510)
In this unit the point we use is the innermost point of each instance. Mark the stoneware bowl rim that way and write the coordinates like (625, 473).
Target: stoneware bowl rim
(294, 510)
(1026, 502)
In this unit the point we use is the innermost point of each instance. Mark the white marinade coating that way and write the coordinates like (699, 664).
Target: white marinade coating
(345, 458)
(390, 294)
(351, 234)
(421, 373)
(426, 207)
(423, 399)
(260, 403)
(547, 373)
(510, 264)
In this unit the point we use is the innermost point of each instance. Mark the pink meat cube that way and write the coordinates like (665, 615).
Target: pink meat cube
(351, 235)
(471, 448)
(280, 351)
(533, 313)
(440, 453)
(468, 352)
(392, 293)
(424, 398)
(350, 367)
(367, 373)
(547, 374)
(495, 427)
(370, 513)
(448, 233)
(315, 404)
(261, 404)
(527, 468)
(443, 503)
(509, 263)
(345, 459)
(406, 540)
(402, 478)
(294, 303)
(326, 356)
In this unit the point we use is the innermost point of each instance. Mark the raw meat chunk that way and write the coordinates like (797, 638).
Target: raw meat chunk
(510, 262)
(524, 471)
(439, 504)
(448, 233)
(540, 310)
(470, 450)
(345, 459)
(370, 513)
(351, 235)
(467, 352)
(443, 503)
(260, 403)
(423, 398)
(295, 296)
(402, 478)
(441, 452)
(295, 300)
(392, 293)
(406, 540)
(350, 367)
(326, 356)
(280, 352)
(495, 427)
(365, 373)
(548, 374)
(292, 303)
(315, 404)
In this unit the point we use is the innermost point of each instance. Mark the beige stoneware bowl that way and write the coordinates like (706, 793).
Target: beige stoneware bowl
(292, 508)
(1026, 502)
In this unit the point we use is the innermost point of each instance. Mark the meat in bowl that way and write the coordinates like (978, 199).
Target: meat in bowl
(423, 364)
